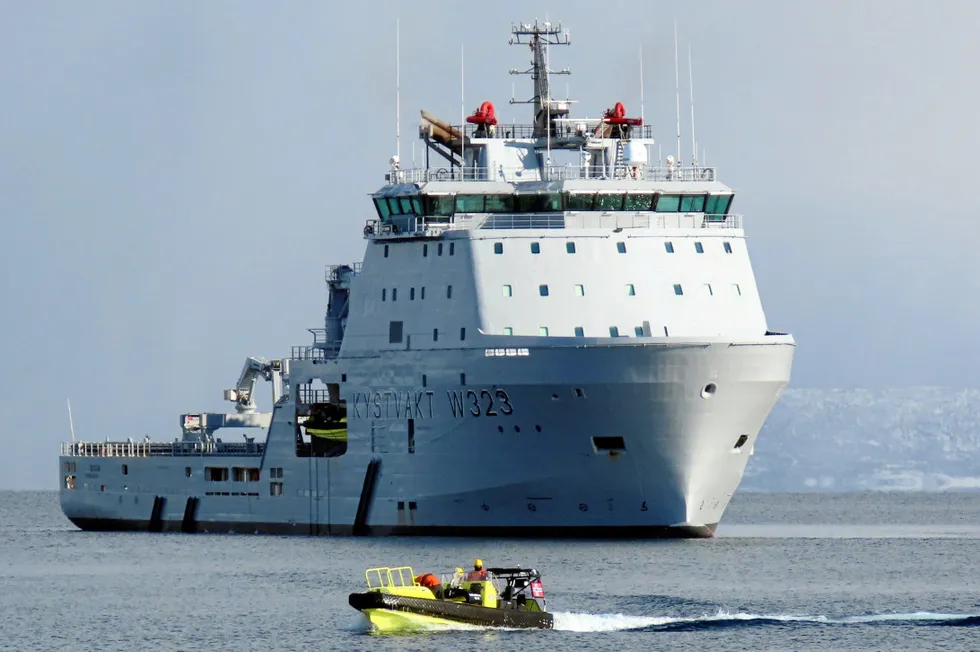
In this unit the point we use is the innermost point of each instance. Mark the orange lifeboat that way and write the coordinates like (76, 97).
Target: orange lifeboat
(617, 116)
(485, 115)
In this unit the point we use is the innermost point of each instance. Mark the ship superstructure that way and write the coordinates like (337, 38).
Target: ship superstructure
(550, 334)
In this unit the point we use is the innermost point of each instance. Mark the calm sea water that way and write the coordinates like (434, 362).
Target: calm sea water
(787, 572)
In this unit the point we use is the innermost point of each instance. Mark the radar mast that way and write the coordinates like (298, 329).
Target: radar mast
(539, 37)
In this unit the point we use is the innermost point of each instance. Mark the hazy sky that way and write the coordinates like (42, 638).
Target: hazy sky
(175, 175)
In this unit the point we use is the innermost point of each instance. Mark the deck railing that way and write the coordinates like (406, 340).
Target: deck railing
(161, 449)
(625, 173)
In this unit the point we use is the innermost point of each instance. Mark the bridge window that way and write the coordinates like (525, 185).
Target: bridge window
(470, 203)
(498, 247)
(580, 290)
(668, 203)
(639, 331)
(499, 204)
(508, 291)
(579, 331)
(669, 246)
(678, 290)
(630, 290)
(692, 204)
(614, 331)
(570, 247)
(438, 204)
(638, 202)
(508, 330)
(411, 294)
(381, 204)
(580, 202)
(728, 247)
(717, 204)
(543, 331)
(608, 202)
(543, 290)
(539, 203)
(698, 247)
(535, 247)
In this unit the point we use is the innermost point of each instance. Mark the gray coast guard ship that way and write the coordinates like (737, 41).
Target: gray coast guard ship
(549, 335)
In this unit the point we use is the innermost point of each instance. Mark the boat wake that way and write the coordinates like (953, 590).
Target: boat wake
(584, 622)
(578, 622)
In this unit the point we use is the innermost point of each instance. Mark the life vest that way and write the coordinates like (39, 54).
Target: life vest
(428, 580)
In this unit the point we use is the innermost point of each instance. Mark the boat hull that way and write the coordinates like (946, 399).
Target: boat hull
(389, 612)
(417, 464)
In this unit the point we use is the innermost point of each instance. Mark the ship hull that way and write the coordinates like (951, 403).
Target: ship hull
(593, 442)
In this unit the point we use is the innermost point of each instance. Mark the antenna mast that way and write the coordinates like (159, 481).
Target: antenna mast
(398, 90)
(539, 37)
(677, 96)
(462, 114)
(694, 143)
(641, 83)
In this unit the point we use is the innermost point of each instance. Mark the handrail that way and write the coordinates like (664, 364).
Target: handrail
(386, 576)
(621, 172)
(434, 227)
(159, 449)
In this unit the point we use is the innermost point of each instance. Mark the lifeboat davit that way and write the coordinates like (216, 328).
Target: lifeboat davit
(485, 115)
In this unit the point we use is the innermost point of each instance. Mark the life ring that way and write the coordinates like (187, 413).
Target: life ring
(368, 229)
(442, 174)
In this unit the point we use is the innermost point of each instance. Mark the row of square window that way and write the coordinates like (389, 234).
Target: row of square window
(425, 249)
(580, 332)
(498, 247)
(508, 290)
(411, 293)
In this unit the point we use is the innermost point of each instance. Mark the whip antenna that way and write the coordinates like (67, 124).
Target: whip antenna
(677, 96)
(71, 424)
(694, 143)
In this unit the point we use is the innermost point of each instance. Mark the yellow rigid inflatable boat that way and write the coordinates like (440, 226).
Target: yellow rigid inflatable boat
(508, 597)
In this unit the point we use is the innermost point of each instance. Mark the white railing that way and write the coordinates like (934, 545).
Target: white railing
(153, 449)
(565, 220)
(625, 173)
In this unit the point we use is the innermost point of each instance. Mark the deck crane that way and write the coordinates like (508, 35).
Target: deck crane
(243, 394)
(201, 426)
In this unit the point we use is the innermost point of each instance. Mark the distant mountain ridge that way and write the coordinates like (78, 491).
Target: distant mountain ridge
(917, 438)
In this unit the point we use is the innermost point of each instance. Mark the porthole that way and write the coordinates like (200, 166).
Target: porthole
(709, 390)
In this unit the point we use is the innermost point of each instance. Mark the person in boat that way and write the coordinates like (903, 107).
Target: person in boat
(478, 572)
(431, 582)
